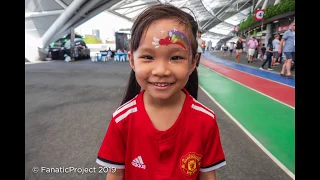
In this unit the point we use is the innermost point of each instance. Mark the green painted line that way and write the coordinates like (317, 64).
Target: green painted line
(269, 121)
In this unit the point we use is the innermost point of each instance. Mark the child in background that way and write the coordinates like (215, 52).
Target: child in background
(161, 131)
(203, 47)
(263, 52)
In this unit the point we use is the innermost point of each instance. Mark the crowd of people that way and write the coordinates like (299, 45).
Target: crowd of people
(276, 52)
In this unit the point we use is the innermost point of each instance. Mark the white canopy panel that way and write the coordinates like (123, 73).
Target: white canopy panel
(236, 19)
(216, 18)
(214, 4)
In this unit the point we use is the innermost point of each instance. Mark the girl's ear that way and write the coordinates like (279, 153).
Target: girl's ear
(130, 56)
(194, 63)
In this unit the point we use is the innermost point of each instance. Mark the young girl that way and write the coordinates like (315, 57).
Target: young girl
(161, 131)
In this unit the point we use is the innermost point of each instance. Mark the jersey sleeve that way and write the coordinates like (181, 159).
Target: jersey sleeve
(112, 150)
(213, 157)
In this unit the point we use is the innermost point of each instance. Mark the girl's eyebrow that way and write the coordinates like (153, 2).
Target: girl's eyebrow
(146, 49)
(151, 50)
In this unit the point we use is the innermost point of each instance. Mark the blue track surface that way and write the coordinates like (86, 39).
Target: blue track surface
(251, 70)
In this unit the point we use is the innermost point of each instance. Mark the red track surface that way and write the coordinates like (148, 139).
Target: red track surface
(275, 90)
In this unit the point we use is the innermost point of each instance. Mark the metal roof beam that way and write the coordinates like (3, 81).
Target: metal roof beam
(72, 8)
(150, 3)
(216, 34)
(120, 15)
(43, 13)
(217, 14)
(90, 15)
(81, 13)
(62, 4)
(244, 5)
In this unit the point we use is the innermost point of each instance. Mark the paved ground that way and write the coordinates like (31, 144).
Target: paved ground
(244, 60)
(67, 111)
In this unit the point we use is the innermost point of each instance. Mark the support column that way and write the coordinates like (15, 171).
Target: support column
(258, 3)
(268, 33)
(265, 4)
(32, 52)
(74, 21)
(72, 48)
(76, 17)
(252, 7)
(62, 19)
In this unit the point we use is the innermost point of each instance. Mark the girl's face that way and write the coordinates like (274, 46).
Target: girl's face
(163, 60)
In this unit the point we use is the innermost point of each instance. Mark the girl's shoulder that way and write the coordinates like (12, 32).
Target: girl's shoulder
(202, 113)
(127, 109)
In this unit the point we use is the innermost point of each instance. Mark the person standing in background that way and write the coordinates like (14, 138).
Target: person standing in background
(199, 49)
(231, 45)
(203, 46)
(263, 52)
(287, 46)
(225, 49)
(269, 55)
(276, 45)
(239, 49)
(252, 45)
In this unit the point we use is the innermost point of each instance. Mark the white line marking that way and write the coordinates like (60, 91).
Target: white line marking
(251, 136)
(36, 62)
(253, 74)
(250, 88)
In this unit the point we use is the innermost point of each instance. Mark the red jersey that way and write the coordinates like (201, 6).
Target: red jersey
(190, 146)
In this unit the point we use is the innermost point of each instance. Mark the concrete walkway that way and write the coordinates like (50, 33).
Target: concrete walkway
(68, 107)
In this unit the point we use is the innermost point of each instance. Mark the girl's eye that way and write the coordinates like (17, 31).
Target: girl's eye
(148, 57)
(176, 57)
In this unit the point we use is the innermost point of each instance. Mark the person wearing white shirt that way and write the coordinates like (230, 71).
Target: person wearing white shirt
(276, 46)
(199, 49)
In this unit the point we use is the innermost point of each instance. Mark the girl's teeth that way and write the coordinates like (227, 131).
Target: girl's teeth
(161, 84)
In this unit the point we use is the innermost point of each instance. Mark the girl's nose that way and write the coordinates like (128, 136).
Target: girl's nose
(161, 68)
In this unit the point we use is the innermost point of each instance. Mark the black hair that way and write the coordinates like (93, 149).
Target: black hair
(139, 27)
(270, 40)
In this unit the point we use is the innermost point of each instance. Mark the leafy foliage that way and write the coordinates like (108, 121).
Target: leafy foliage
(90, 39)
(280, 8)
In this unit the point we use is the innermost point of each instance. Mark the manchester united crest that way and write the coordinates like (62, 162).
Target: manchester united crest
(190, 163)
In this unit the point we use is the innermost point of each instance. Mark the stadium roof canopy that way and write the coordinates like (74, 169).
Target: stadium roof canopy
(49, 20)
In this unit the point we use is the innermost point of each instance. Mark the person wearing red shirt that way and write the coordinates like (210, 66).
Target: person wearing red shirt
(161, 131)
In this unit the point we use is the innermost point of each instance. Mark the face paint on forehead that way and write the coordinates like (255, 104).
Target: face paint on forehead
(174, 37)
